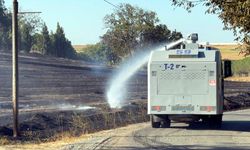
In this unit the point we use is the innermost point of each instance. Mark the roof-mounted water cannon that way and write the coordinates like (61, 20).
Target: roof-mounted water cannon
(174, 44)
(191, 42)
(193, 37)
(185, 43)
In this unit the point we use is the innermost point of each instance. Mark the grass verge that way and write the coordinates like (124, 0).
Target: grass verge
(241, 67)
(52, 126)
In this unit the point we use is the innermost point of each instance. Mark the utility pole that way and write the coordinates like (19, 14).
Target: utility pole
(15, 68)
(15, 79)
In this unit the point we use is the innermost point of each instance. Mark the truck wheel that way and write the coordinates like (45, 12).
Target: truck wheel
(218, 120)
(155, 124)
(154, 121)
(166, 123)
(215, 121)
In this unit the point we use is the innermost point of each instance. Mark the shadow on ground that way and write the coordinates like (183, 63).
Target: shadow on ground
(241, 126)
(183, 147)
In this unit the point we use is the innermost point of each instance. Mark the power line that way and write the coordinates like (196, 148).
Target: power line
(111, 4)
(26, 12)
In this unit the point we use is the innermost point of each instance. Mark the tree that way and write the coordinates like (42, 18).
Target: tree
(46, 41)
(99, 53)
(125, 27)
(69, 50)
(235, 15)
(3, 11)
(159, 35)
(155, 36)
(26, 37)
(62, 46)
(29, 25)
(38, 44)
(5, 27)
(175, 36)
(111, 56)
(131, 29)
(59, 42)
(30, 37)
(42, 41)
(52, 51)
(2, 7)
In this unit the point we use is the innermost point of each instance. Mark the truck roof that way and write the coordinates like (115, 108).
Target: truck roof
(199, 55)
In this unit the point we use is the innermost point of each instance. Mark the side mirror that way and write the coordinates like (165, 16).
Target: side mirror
(227, 68)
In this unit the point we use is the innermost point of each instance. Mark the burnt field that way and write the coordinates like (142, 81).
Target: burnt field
(49, 83)
(60, 95)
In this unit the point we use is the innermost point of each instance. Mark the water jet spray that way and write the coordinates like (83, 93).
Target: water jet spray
(116, 93)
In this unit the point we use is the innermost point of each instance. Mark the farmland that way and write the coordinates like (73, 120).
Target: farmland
(231, 52)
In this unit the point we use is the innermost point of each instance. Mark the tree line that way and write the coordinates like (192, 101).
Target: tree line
(34, 35)
(235, 15)
(129, 29)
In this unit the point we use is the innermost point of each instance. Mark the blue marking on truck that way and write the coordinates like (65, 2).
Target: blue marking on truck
(183, 52)
(171, 66)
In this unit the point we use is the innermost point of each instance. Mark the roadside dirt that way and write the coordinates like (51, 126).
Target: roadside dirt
(234, 134)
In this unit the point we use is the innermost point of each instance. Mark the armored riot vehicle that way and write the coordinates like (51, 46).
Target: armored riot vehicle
(185, 83)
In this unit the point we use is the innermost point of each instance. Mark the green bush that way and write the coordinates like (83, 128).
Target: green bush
(98, 53)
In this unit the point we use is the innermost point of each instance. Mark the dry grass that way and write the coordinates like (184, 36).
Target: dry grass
(239, 79)
(230, 52)
(64, 126)
(79, 48)
(60, 142)
(4, 141)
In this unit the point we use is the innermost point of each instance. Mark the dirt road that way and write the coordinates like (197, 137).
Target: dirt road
(235, 134)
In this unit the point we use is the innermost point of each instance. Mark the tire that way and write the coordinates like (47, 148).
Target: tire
(155, 124)
(166, 123)
(218, 121)
(215, 121)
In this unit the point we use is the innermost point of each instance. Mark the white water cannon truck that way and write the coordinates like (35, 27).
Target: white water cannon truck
(185, 84)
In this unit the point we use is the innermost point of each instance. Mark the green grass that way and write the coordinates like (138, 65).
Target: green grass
(239, 66)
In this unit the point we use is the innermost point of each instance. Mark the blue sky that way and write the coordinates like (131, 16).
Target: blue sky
(82, 20)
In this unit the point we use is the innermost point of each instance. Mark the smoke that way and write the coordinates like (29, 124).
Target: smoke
(117, 91)
(74, 107)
